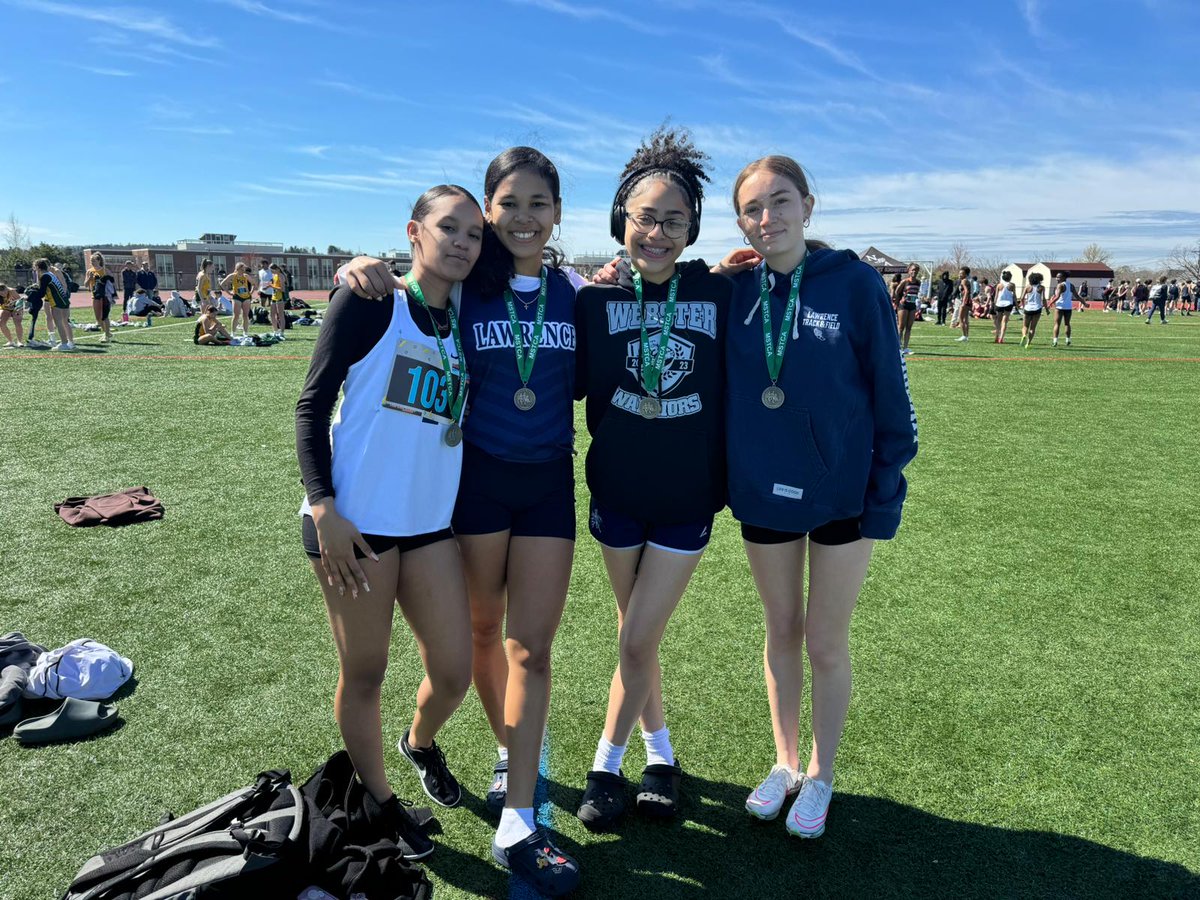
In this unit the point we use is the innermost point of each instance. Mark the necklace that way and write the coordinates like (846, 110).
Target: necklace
(526, 304)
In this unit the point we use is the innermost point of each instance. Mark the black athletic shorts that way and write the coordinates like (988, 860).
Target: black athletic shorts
(379, 543)
(831, 534)
(1064, 315)
(908, 307)
(534, 499)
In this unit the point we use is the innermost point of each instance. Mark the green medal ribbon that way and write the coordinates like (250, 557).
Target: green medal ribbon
(652, 363)
(775, 349)
(457, 393)
(526, 357)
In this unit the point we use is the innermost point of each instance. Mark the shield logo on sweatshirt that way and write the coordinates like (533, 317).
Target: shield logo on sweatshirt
(681, 358)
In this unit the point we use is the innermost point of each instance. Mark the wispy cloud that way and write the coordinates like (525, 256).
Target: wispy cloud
(594, 14)
(137, 20)
(194, 129)
(355, 90)
(267, 189)
(317, 150)
(1031, 12)
(157, 53)
(97, 70)
(256, 8)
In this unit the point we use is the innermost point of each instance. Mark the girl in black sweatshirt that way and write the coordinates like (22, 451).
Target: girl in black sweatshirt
(650, 364)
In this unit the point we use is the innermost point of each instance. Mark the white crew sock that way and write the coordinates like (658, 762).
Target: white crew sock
(515, 826)
(658, 747)
(608, 757)
(502, 752)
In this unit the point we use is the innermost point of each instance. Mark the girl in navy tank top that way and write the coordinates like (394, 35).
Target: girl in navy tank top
(515, 515)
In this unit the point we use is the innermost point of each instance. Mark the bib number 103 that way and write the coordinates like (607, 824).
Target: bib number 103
(417, 385)
(428, 389)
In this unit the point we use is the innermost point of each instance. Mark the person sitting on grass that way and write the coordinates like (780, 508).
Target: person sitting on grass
(209, 330)
(11, 311)
(143, 304)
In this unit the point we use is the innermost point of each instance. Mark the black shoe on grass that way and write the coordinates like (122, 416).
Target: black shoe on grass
(551, 872)
(436, 779)
(406, 827)
(604, 800)
(658, 796)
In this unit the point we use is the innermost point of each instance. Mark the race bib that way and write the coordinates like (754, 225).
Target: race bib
(417, 385)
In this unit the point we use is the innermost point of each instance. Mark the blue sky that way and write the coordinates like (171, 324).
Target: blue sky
(1016, 128)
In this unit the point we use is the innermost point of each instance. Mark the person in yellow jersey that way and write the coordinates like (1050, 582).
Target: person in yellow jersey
(104, 288)
(206, 285)
(239, 286)
(278, 296)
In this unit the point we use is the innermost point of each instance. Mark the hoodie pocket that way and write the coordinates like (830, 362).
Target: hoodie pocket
(773, 456)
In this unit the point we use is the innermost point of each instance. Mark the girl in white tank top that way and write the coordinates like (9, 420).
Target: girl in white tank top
(384, 492)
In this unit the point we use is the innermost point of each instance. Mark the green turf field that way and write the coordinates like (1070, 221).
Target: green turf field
(1026, 718)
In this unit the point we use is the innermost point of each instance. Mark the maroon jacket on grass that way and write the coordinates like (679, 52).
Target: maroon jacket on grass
(123, 508)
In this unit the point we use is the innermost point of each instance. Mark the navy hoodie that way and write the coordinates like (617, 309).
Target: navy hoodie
(837, 447)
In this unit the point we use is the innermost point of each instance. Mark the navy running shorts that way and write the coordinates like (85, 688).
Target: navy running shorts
(618, 531)
(526, 499)
(379, 543)
(831, 534)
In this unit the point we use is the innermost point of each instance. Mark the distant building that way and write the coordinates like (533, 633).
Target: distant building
(176, 265)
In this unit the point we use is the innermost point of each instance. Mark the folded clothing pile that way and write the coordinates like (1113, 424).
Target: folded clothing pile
(84, 675)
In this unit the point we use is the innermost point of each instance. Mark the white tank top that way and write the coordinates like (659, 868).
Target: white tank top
(393, 473)
(1033, 303)
(1005, 297)
(1066, 300)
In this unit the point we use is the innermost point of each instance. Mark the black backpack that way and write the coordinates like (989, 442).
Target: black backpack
(239, 840)
(266, 840)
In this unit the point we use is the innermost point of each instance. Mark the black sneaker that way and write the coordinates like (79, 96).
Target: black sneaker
(604, 800)
(551, 872)
(406, 827)
(658, 796)
(498, 793)
(430, 763)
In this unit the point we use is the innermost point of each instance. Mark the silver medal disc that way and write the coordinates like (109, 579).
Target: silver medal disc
(649, 407)
(453, 435)
(772, 397)
(524, 399)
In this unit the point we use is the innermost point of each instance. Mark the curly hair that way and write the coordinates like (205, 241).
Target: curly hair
(668, 151)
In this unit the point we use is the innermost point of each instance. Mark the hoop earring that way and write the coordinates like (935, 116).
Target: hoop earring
(745, 240)
(807, 221)
(553, 236)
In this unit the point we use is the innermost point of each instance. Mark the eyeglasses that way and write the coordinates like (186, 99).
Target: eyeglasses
(643, 223)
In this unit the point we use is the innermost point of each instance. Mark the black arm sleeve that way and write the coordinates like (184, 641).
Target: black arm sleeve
(351, 327)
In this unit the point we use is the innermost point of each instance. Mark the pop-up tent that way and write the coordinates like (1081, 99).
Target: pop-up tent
(884, 264)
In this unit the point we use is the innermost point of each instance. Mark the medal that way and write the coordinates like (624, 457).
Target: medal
(772, 397)
(456, 393)
(651, 363)
(524, 399)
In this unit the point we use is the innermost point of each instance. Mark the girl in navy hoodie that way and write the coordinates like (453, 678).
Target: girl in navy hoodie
(819, 426)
